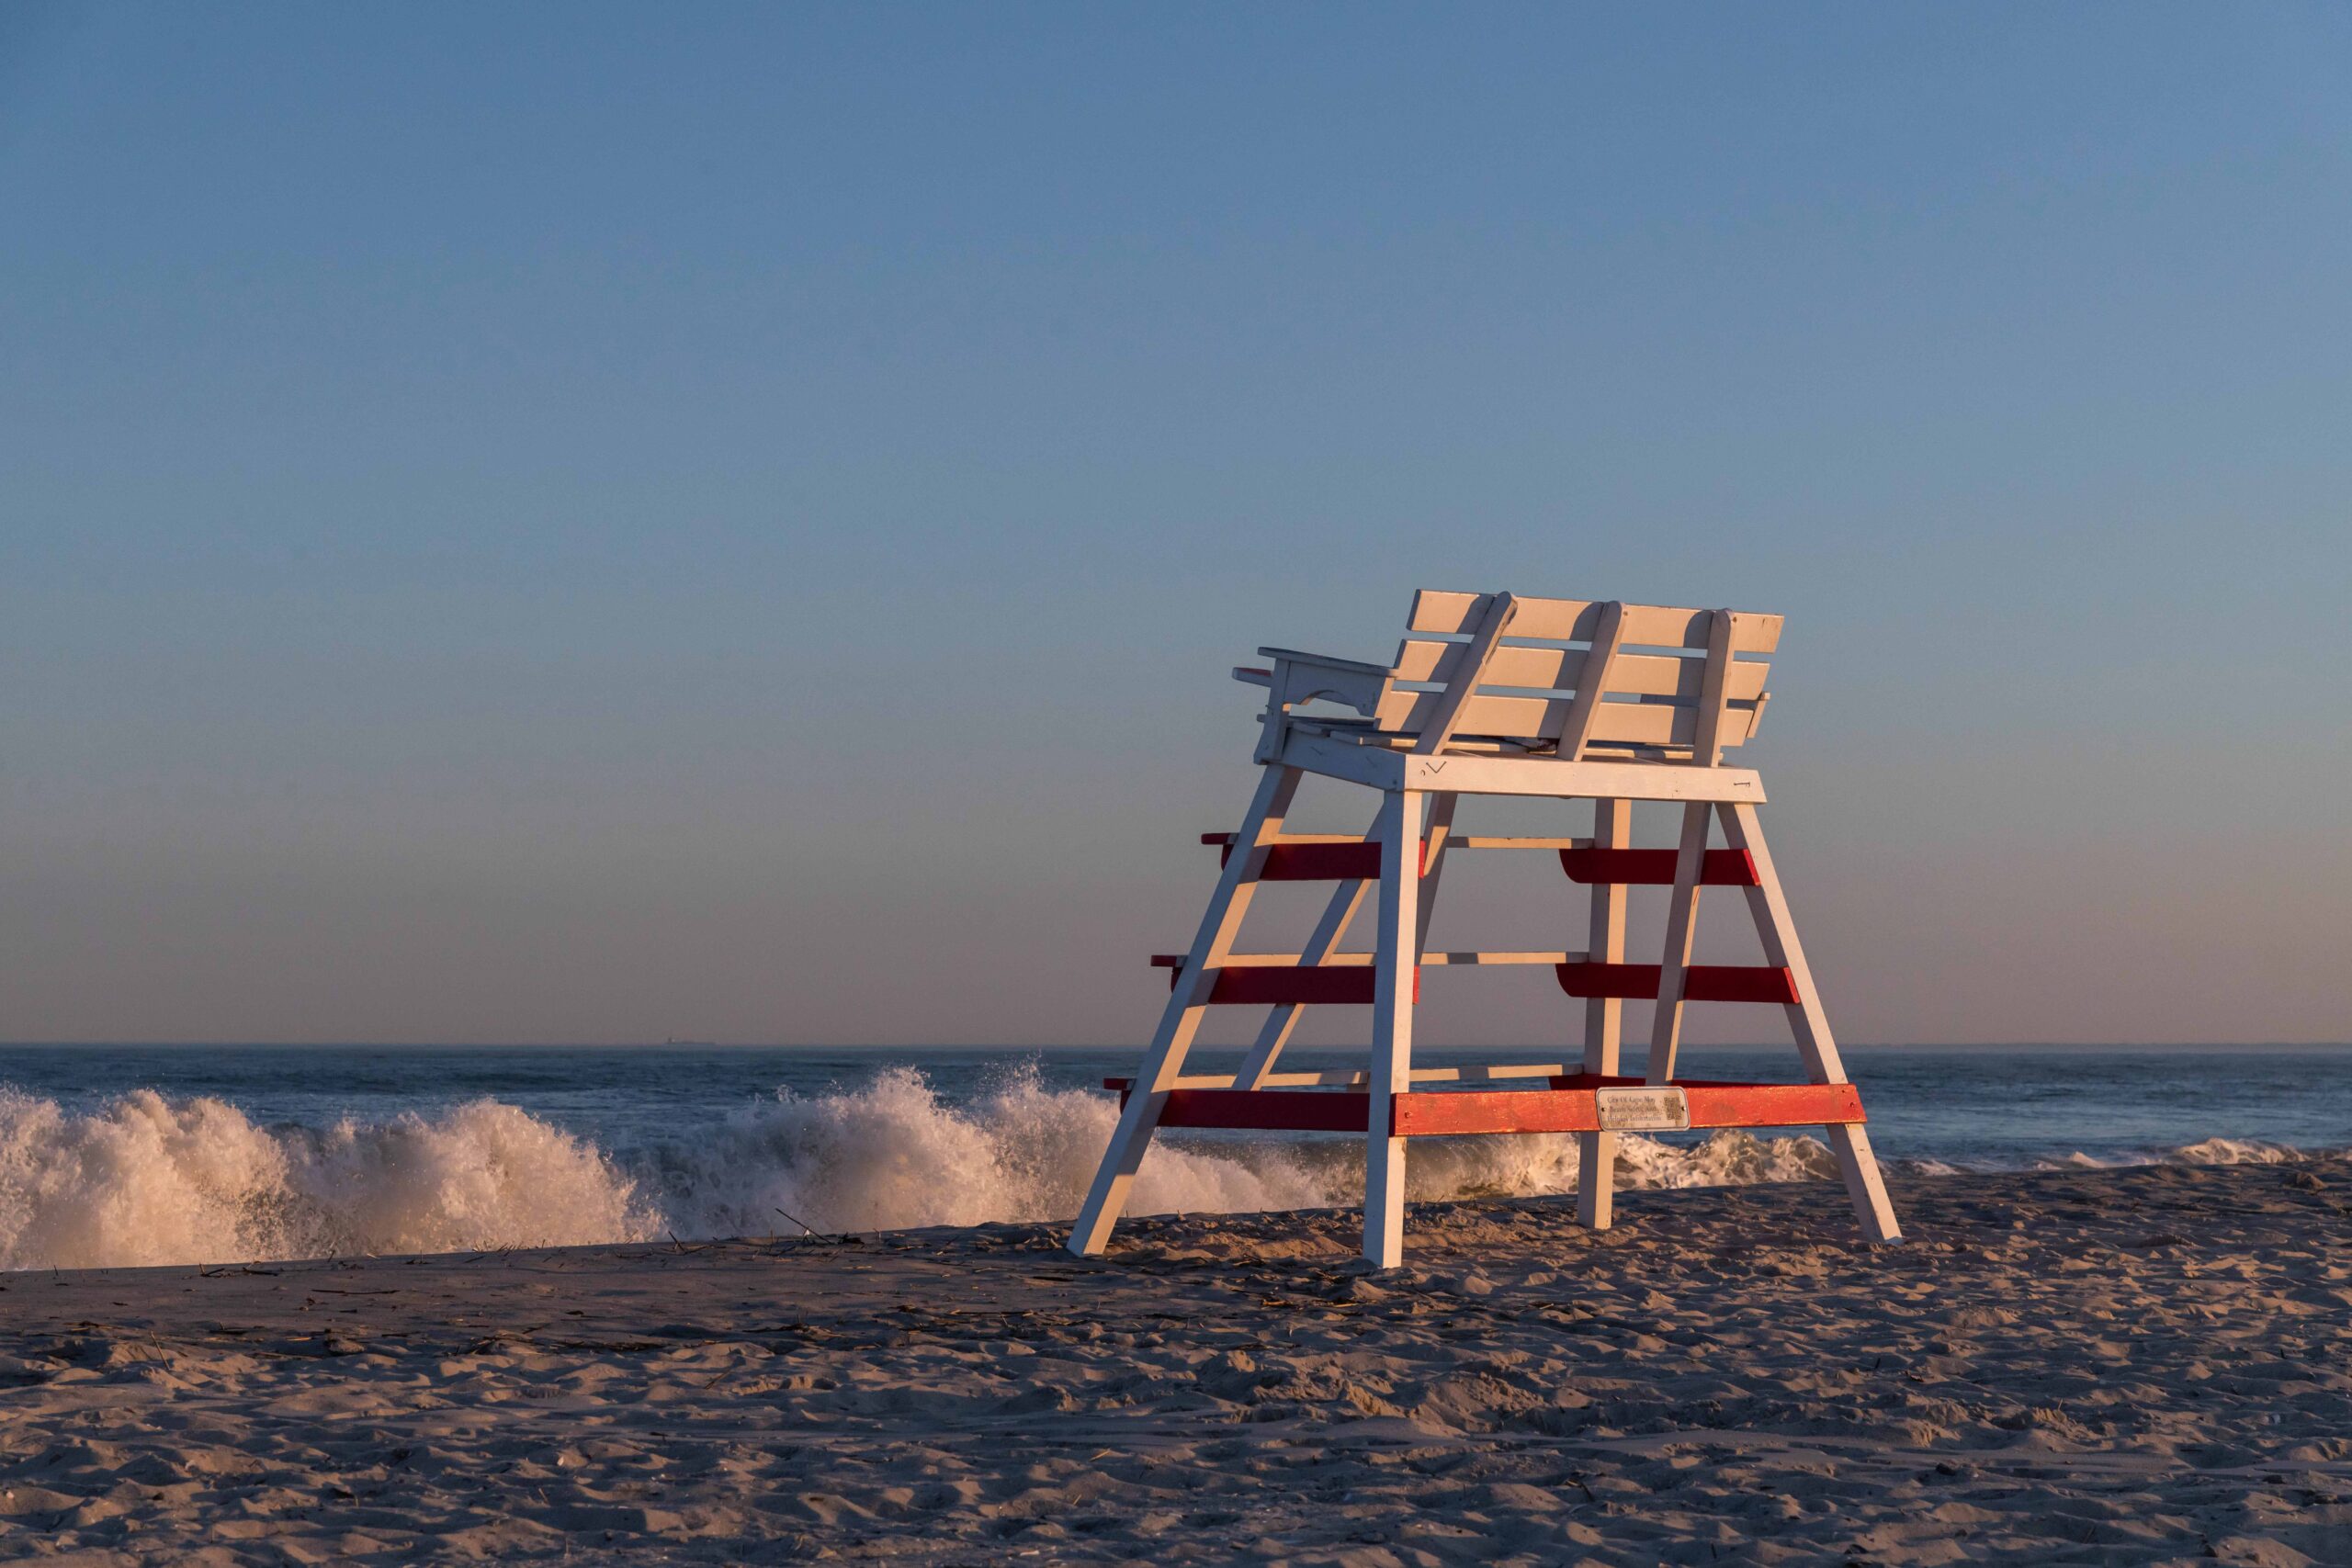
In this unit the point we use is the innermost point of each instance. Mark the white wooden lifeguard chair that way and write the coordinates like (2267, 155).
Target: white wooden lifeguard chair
(1492, 694)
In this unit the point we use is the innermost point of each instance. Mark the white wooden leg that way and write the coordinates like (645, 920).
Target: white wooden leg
(1182, 1018)
(1604, 1017)
(1257, 1062)
(1809, 1021)
(1597, 1179)
(1858, 1166)
(1681, 920)
(1392, 1023)
(1437, 832)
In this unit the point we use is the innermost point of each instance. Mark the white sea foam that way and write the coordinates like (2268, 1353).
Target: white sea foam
(893, 1154)
(148, 1179)
(2211, 1151)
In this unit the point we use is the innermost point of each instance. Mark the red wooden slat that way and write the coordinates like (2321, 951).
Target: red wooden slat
(1351, 986)
(1566, 1081)
(1701, 982)
(1655, 868)
(1321, 862)
(1268, 1110)
(1270, 983)
(1332, 985)
(1444, 1112)
(1426, 1114)
(1314, 862)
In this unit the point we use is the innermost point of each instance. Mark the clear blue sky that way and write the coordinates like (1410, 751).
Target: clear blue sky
(579, 523)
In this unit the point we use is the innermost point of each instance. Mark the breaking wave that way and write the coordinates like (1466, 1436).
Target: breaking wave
(148, 1179)
(151, 1181)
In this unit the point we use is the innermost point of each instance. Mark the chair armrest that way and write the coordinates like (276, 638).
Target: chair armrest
(1325, 662)
(1307, 677)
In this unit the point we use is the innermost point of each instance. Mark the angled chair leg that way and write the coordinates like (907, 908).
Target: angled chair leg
(1258, 1063)
(1395, 964)
(1681, 920)
(1438, 807)
(1873, 1209)
(1604, 1017)
(1181, 1018)
(1810, 1022)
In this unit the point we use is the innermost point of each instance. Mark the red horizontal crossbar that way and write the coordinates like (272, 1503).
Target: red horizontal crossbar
(1701, 982)
(1350, 986)
(1243, 985)
(1421, 1115)
(1655, 868)
(1268, 1110)
(1316, 863)
(1282, 985)
(1568, 1107)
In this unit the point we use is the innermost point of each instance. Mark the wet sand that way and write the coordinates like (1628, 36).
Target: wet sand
(2138, 1366)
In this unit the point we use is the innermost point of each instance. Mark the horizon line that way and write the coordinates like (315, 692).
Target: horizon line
(1112, 1046)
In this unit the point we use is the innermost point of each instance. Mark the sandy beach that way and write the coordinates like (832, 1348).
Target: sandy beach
(2147, 1365)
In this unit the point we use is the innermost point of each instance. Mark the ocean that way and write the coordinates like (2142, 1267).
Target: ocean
(189, 1154)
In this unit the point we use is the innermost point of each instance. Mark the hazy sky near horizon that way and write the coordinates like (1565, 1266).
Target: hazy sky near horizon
(591, 523)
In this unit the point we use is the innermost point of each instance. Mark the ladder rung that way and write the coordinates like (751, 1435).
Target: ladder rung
(1701, 982)
(1344, 857)
(1314, 857)
(1329, 987)
(1655, 868)
(1225, 839)
(1456, 960)
(1356, 1078)
(1358, 861)
(1485, 958)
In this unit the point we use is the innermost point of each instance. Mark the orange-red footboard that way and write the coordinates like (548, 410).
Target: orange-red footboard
(1571, 1104)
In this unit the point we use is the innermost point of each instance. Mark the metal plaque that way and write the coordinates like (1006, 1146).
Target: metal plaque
(1641, 1109)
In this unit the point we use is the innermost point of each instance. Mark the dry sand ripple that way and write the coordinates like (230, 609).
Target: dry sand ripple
(2137, 1366)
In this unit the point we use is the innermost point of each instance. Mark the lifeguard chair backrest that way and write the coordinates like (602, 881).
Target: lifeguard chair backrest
(1589, 675)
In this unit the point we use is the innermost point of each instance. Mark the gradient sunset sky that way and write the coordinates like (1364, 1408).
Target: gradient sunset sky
(539, 523)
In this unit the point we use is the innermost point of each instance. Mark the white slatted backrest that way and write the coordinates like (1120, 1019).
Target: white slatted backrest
(1655, 693)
